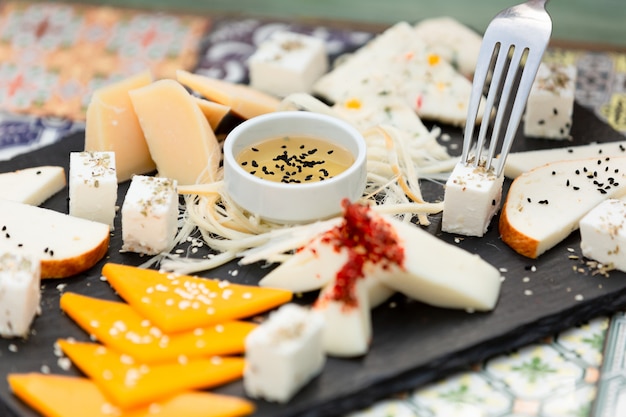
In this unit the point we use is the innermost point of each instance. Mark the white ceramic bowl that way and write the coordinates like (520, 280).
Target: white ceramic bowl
(294, 203)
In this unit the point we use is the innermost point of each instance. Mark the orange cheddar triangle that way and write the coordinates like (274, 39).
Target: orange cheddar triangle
(243, 100)
(177, 303)
(70, 396)
(129, 383)
(120, 327)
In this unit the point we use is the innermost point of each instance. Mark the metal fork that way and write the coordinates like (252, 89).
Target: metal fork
(513, 43)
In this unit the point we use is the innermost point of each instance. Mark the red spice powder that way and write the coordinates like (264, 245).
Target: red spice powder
(369, 239)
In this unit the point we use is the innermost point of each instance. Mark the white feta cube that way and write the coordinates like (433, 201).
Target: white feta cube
(603, 234)
(287, 63)
(93, 186)
(471, 198)
(284, 353)
(551, 102)
(20, 277)
(150, 215)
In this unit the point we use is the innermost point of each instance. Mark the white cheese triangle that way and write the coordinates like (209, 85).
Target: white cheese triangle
(347, 329)
(463, 281)
(32, 185)
(545, 204)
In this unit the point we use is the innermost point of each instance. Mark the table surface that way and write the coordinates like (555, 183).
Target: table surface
(554, 377)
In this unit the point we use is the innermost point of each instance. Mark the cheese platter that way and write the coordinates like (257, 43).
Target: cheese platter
(414, 343)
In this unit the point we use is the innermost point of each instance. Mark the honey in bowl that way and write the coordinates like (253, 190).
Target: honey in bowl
(295, 159)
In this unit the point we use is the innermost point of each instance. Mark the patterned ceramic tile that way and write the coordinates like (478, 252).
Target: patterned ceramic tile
(52, 55)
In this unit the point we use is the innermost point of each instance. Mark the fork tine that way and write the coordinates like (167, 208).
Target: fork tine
(500, 62)
(514, 67)
(480, 76)
(532, 61)
(513, 43)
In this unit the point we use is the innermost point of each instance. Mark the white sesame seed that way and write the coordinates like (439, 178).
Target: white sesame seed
(579, 297)
(13, 348)
(45, 369)
(528, 292)
(526, 279)
(64, 363)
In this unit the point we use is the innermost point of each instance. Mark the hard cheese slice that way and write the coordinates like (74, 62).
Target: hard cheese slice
(243, 100)
(544, 205)
(70, 396)
(119, 326)
(65, 244)
(32, 185)
(112, 125)
(519, 162)
(180, 302)
(214, 112)
(128, 383)
(181, 142)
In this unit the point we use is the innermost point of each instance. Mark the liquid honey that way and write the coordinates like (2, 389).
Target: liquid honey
(295, 159)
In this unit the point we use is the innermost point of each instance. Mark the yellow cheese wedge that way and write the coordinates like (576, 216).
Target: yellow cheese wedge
(70, 396)
(112, 125)
(181, 142)
(214, 112)
(180, 302)
(129, 383)
(243, 100)
(119, 326)
(32, 185)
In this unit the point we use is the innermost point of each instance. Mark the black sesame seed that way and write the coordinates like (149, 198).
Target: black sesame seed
(567, 183)
(528, 199)
(330, 151)
(576, 188)
(541, 122)
(244, 163)
(493, 202)
(38, 172)
(254, 149)
(553, 172)
(555, 111)
(543, 202)
(570, 151)
(255, 163)
(577, 172)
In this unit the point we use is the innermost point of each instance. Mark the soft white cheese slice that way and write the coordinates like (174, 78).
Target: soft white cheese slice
(544, 205)
(347, 327)
(603, 234)
(20, 276)
(463, 281)
(32, 185)
(520, 162)
(284, 353)
(472, 197)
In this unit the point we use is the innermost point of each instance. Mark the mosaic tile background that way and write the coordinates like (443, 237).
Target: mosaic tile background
(53, 55)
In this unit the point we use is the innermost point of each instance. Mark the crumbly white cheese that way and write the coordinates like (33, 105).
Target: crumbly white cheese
(93, 186)
(453, 41)
(19, 293)
(603, 234)
(472, 197)
(551, 102)
(397, 63)
(284, 353)
(287, 63)
(150, 215)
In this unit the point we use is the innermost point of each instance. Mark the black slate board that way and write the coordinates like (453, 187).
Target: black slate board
(413, 343)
